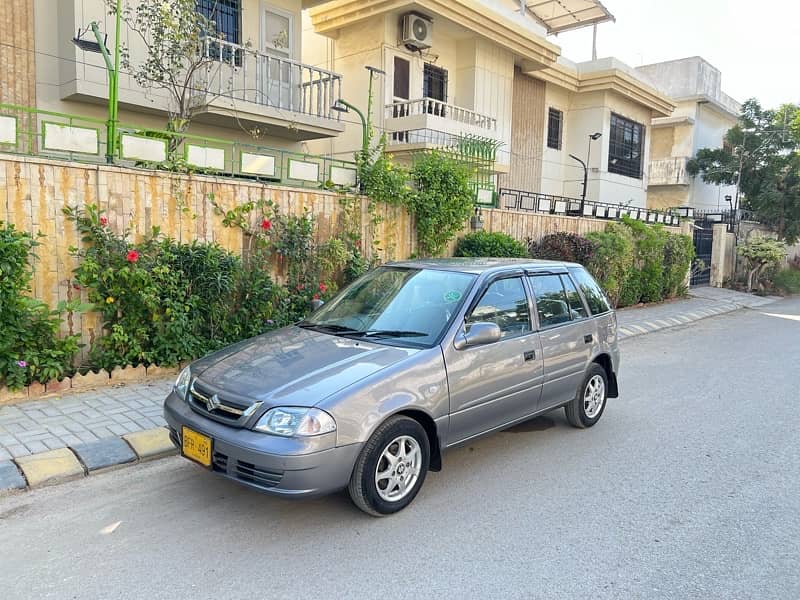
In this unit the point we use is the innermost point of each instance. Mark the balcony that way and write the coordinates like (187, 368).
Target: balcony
(292, 99)
(426, 120)
(670, 171)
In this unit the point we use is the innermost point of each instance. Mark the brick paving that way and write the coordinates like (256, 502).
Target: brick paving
(78, 418)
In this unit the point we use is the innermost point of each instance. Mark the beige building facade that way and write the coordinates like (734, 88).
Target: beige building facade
(253, 90)
(702, 117)
(487, 69)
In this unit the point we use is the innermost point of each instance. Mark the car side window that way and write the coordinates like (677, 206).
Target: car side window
(505, 304)
(552, 303)
(595, 298)
(576, 307)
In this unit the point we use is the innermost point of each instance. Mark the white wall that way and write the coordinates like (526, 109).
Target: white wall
(585, 114)
(709, 131)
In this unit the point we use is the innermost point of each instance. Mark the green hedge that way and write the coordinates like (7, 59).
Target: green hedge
(484, 243)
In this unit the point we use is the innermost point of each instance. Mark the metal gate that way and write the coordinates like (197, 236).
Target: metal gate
(703, 242)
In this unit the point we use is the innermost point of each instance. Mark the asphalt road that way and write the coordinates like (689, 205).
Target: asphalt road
(689, 487)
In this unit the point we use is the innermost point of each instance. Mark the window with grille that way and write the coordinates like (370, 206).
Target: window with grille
(434, 83)
(555, 122)
(226, 15)
(625, 147)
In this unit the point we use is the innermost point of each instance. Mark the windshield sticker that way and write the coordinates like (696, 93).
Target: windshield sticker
(452, 296)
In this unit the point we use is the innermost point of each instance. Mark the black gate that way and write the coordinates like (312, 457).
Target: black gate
(703, 242)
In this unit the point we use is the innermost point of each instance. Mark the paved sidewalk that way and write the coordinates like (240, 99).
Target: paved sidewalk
(99, 418)
(703, 302)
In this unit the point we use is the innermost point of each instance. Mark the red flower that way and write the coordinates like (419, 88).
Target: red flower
(266, 224)
(358, 243)
(316, 296)
(323, 288)
(300, 287)
(103, 221)
(133, 256)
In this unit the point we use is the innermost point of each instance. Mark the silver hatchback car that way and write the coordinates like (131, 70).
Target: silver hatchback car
(412, 359)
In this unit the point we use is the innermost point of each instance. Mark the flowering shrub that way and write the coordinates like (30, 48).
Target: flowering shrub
(31, 348)
(163, 302)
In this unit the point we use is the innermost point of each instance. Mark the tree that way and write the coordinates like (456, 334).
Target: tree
(173, 34)
(760, 253)
(760, 154)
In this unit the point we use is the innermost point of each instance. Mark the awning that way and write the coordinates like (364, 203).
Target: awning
(563, 15)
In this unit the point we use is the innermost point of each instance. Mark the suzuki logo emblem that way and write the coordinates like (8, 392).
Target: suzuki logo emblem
(212, 403)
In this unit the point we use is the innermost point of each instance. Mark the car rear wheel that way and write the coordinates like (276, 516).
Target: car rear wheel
(590, 402)
(391, 468)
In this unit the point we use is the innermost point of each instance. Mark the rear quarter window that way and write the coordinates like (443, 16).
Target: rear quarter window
(595, 297)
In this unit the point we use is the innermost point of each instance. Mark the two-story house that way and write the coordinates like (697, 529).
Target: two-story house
(486, 69)
(703, 116)
(252, 91)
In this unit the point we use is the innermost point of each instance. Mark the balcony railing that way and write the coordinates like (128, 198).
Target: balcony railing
(437, 108)
(240, 73)
(669, 171)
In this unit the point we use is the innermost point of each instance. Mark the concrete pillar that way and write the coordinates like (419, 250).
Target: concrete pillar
(18, 57)
(722, 255)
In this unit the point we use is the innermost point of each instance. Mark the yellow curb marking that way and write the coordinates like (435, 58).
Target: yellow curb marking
(150, 443)
(53, 466)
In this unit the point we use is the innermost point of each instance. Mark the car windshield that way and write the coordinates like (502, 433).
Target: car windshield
(407, 306)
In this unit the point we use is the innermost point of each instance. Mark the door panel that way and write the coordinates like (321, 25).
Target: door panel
(497, 383)
(566, 334)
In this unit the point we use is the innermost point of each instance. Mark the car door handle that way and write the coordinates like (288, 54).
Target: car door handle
(588, 339)
(530, 355)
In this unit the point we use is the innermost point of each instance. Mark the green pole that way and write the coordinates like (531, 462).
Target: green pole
(113, 84)
(364, 134)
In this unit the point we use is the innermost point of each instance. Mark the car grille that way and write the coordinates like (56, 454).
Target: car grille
(225, 410)
(247, 472)
(253, 474)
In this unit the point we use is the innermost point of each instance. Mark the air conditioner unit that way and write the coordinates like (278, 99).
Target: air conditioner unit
(417, 31)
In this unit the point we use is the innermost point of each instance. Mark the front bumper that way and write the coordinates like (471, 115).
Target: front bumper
(280, 466)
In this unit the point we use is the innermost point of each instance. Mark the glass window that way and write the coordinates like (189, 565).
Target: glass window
(576, 307)
(407, 306)
(277, 33)
(434, 83)
(555, 120)
(505, 304)
(402, 74)
(225, 14)
(595, 298)
(552, 303)
(625, 144)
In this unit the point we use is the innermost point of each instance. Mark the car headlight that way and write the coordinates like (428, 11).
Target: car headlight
(291, 421)
(182, 383)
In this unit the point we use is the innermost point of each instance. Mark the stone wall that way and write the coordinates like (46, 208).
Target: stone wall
(34, 191)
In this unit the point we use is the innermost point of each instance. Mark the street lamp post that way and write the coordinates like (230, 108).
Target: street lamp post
(585, 165)
(113, 77)
(344, 106)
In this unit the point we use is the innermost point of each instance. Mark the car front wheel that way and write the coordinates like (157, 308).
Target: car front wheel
(391, 468)
(590, 402)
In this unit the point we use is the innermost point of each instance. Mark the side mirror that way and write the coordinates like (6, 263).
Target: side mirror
(316, 304)
(479, 334)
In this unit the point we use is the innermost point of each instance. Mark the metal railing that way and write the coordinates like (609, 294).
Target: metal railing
(49, 134)
(437, 108)
(240, 73)
(510, 199)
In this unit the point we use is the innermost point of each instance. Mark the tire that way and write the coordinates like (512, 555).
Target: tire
(588, 405)
(376, 486)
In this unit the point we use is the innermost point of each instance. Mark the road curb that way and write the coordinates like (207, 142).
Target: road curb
(66, 464)
(644, 327)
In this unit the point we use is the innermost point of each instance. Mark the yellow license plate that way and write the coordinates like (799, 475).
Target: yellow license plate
(196, 446)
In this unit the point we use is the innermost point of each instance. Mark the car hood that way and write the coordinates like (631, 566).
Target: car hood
(293, 366)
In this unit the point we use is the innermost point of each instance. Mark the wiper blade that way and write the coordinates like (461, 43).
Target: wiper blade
(330, 327)
(390, 333)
